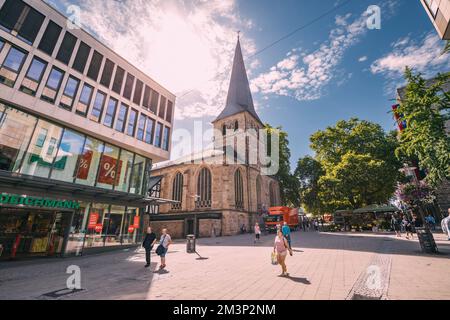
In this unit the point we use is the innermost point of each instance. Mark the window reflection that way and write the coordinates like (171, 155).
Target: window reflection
(124, 172)
(109, 168)
(137, 175)
(89, 161)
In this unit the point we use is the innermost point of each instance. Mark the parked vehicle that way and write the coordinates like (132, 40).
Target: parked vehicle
(279, 215)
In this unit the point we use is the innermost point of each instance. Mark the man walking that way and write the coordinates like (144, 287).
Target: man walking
(148, 243)
(287, 234)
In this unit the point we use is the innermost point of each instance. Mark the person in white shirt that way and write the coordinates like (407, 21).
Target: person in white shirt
(257, 232)
(164, 242)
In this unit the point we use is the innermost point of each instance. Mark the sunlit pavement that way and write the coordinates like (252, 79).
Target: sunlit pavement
(324, 266)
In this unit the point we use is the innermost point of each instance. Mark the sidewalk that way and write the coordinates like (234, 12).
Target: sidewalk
(324, 266)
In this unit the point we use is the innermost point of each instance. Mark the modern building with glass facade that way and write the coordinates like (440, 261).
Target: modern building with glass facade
(439, 13)
(79, 130)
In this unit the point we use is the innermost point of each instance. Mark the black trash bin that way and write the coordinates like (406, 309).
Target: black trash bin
(190, 243)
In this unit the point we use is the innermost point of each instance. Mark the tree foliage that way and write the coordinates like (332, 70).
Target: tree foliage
(289, 185)
(426, 109)
(354, 166)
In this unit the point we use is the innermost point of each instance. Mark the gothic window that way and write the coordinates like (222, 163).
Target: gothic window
(177, 191)
(236, 125)
(258, 194)
(204, 189)
(238, 190)
(224, 130)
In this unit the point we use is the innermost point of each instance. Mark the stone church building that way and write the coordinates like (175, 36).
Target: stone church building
(217, 197)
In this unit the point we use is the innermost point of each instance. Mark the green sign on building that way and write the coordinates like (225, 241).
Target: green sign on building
(16, 200)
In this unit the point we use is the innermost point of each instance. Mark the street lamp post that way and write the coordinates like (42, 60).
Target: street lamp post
(424, 233)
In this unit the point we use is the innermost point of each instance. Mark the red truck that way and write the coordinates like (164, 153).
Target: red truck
(279, 215)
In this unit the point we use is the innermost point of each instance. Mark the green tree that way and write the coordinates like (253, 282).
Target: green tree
(359, 164)
(289, 185)
(308, 173)
(426, 109)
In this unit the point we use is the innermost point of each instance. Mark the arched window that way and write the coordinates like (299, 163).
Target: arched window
(236, 125)
(258, 194)
(224, 130)
(238, 190)
(177, 191)
(204, 189)
(273, 194)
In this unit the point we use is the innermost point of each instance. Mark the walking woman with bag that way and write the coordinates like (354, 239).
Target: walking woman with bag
(281, 248)
(163, 247)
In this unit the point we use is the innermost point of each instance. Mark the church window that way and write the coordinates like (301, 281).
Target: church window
(236, 125)
(203, 199)
(273, 195)
(238, 190)
(177, 191)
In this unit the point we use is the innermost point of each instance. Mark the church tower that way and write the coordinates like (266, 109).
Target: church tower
(239, 115)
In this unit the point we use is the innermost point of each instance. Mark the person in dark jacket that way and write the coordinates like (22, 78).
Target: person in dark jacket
(148, 243)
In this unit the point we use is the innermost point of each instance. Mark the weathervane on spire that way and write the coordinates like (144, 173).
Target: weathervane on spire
(239, 34)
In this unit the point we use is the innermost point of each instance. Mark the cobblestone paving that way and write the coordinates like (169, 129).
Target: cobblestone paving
(324, 266)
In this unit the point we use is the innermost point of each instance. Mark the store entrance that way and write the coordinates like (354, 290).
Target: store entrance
(32, 232)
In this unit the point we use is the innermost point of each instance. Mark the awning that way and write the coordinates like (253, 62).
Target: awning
(36, 186)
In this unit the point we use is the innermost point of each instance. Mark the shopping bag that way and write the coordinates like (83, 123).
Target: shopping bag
(274, 258)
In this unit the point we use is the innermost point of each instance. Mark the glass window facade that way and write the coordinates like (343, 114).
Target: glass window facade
(158, 135)
(54, 79)
(107, 73)
(85, 99)
(166, 141)
(149, 131)
(79, 63)
(141, 127)
(50, 38)
(110, 113)
(66, 48)
(69, 93)
(14, 59)
(39, 148)
(36, 70)
(128, 86)
(118, 80)
(121, 117)
(131, 128)
(94, 68)
(97, 109)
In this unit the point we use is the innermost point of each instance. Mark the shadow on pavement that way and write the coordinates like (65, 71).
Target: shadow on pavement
(297, 279)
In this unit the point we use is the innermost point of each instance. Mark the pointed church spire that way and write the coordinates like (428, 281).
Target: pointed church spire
(239, 97)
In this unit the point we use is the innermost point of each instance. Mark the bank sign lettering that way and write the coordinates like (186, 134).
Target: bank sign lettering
(9, 199)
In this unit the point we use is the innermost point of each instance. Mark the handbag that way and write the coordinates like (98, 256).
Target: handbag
(274, 259)
(160, 249)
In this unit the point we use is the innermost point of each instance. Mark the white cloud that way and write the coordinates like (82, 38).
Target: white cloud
(424, 57)
(181, 44)
(362, 59)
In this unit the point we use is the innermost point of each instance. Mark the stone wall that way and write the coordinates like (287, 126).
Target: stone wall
(206, 227)
(174, 228)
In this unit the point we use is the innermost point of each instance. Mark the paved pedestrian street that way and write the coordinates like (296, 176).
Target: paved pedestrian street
(324, 266)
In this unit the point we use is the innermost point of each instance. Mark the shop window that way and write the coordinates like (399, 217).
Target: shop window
(121, 117)
(99, 104)
(107, 73)
(128, 86)
(79, 63)
(141, 127)
(138, 92)
(33, 77)
(154, 102)
(132, 123)
(50, 38)
(158, 135)
(89, 161)
(94, 238)
(118, 80)
(69, 93)
(169, 111)
(131, 216)
(16, 129)
(66, 48)
(94, 68)
(40, 157)
(16, 16)
(41, 137)
(149, 131)
(166, 139)
(124, 171)
(146, 101)
(11, 66)
(162, 108)
(85, 99)
(53, 84)
(70, 150)
(108, 168)
(137, 177)
(110, 113)
(113, 226)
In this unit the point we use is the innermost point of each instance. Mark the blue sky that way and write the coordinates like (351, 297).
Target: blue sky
(334, 69)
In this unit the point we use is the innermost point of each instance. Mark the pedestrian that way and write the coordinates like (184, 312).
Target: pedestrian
(281, 248)
(395, 224)
(257, 232)
(163, 247)
(286, 230)
(431, 222)
(445, 225)
(147, 244)
(316, 225)
(408, 227)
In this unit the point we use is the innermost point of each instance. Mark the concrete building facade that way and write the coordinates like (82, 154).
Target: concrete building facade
(439, 13)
